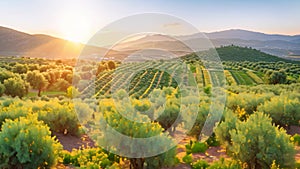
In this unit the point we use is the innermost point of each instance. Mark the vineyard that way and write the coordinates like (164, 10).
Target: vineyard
(141, 78)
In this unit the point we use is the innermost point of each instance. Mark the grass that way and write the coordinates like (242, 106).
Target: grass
(46, 93)
(242, 78)
(217, 78)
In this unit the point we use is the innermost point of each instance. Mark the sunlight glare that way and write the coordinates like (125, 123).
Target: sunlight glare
(75, 26)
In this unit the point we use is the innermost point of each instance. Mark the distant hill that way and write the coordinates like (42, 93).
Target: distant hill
(279, 45)
(16, 43)
(240, 54)
(250, 35)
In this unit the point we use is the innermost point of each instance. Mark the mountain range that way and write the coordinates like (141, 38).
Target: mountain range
(279, 45)
(18, 43)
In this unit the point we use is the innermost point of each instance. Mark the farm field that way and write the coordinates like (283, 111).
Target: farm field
(57, 114)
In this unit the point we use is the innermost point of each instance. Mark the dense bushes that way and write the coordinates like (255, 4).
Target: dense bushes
(139, 127)
(59, 116)
(96, 158)
(256, 142)
(16, 87)
(283, 110)
(27, 143)
(2, 89)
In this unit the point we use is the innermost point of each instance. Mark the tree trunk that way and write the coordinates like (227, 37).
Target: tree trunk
(39, 92)
(137, 163)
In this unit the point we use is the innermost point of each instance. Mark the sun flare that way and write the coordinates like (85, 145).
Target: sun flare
(75, 26)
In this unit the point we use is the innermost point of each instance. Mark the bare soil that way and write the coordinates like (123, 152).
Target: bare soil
(213, 154)
(70, 142)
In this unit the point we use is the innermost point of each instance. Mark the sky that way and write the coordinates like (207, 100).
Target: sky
(78, 20)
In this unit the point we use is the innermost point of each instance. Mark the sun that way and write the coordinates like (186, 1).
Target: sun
(75, 26)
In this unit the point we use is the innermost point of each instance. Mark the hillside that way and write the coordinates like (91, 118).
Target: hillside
(239, 54)
(279, 45)
(16, 43)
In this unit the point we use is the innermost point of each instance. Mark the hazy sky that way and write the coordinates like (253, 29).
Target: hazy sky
(66, 19)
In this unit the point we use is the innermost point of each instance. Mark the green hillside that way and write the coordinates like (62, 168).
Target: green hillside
(239, 54)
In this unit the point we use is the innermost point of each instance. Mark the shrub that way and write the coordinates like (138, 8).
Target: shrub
(188, 159)
(203, 112)
(257, 143)
(12, 112)
(196, 147)
(60, 117)
(200, 164)
(134, 129)
(2, 89)
(166, 159)
(212, 141)
(222, 131)
(225, 164)
(296, 139)
(27, 143)
(283, 110)
(90, 158)
(16, 87)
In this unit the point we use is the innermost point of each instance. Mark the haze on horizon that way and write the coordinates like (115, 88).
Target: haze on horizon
(78, 20)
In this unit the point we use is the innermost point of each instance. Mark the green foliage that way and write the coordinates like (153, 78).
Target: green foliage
(200, 164)
(276, 77)
(242, 78)
(257, 143)
(60, 85)
(239, 54)
(37, 81)
(188, 159)
(212, 141)
(203, 112)
(90, 158)
(20, 68)
(12, 109)
(15, 87)
(166, 159)
(296, 139)
(247, 102)
(139, 127)
(27, 143)
(297, 166)
(207, 90)
(223, 130)
(5, 74)
(169, 115)
(60, 117)
(196, 147)
(2, 89)
(72, 92)
(225, 164)
(284, 110)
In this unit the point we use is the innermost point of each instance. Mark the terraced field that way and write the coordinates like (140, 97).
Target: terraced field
(242, 78)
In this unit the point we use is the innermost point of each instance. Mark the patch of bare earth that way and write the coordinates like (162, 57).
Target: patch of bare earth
(211, 155)
(70, 142)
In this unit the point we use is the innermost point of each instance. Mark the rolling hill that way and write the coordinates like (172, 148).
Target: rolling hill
(16, 43)
(279, 45)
